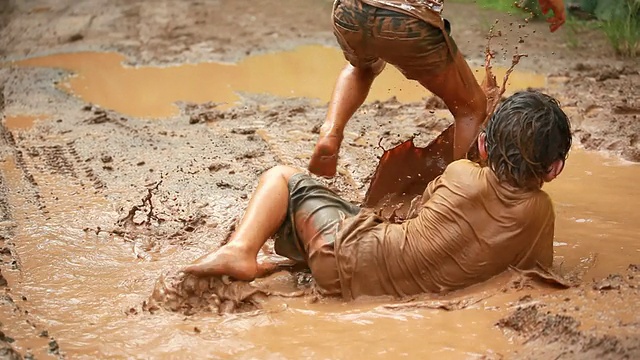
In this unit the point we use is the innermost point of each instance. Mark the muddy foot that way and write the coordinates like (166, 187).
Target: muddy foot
(226, 261)
(324, 160)
(268, 267)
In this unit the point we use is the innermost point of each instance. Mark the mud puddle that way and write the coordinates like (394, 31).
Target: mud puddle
(307, 71)
(595, 201)
(86, 288)
(22, 122)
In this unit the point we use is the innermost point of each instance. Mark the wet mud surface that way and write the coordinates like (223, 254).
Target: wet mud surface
(99, 207)
(557, 332)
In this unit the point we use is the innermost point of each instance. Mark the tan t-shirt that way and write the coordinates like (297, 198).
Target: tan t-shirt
(471, 228)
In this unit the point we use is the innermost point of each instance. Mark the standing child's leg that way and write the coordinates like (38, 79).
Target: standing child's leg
(264, 215)
(350, 92)
(464, 97)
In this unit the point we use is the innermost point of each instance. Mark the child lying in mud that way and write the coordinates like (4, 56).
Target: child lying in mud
(474, 221)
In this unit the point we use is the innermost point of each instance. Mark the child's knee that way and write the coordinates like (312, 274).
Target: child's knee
(283, 171)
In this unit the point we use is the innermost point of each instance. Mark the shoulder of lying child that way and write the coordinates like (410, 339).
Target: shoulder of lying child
(462, 170)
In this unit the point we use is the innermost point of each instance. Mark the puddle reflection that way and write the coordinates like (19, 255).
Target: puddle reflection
(307, 71)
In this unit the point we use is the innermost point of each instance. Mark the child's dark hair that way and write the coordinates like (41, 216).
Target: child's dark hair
(525, 135)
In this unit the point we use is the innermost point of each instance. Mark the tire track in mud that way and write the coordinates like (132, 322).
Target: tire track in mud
(11, 308)
(38, 163)
(63, 160)
(10, 145)
(7, 250)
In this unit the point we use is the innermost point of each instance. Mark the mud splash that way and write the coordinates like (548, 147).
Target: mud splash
(405, 170)
(307, 71)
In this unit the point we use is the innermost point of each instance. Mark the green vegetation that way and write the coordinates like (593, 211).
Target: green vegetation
(623, 30)
(574, 28)
(619, 20)
(524, 7)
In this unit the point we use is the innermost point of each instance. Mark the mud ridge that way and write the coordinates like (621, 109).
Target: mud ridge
(561, 336)
(548, 334)
(187, 294)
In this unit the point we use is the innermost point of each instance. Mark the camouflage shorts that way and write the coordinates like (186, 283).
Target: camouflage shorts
(367, 33)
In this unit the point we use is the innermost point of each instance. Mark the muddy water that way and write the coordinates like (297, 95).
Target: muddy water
(596, 205)
(22, 122)
(307, 71)
(79, 286)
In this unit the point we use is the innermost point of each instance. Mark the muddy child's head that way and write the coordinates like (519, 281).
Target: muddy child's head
(527, 140)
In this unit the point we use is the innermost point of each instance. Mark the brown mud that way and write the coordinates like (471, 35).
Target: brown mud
(557, 333)
(98, 200)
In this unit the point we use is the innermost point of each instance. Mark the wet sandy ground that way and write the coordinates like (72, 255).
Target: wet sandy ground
(76, 277)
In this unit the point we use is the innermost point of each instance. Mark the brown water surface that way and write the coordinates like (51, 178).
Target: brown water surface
(148, 91)
(80, 285)
(22, 122)
(596, 201)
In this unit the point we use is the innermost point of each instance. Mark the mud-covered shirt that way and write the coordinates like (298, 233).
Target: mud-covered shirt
(471, 228)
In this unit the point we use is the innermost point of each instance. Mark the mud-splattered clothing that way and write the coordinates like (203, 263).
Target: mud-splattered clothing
(409, 35)
(471, 227)
(314, 213)
(433, 5)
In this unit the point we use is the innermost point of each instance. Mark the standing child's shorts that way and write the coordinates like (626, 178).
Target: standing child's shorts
(367, 33)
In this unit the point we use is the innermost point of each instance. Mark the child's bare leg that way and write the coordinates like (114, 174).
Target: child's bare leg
(264, 215)
(350, 92)
(464, 97)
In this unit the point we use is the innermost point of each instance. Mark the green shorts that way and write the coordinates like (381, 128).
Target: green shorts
(315, 213)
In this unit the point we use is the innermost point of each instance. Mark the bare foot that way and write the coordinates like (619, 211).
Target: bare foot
(324, 160)
(227, 260)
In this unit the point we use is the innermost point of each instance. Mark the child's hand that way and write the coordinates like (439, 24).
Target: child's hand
(559, 15)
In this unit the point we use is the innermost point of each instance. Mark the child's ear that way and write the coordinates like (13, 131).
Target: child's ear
(554, 170)
(482, 146)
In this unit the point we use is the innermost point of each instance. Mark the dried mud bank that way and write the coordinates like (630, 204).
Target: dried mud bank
(603, 103)
(163, 32)
(554, 330)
